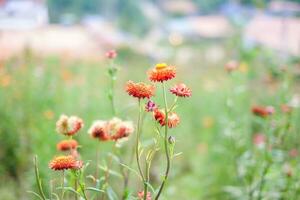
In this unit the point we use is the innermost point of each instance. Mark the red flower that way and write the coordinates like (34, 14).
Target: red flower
(122, 130)
(99, 130)
(66, 145)
(173, 120)
(68, 125)
(293, 153)
(111, 54)
(259, 140)
(162, 72)
(231, 66)
(181, 90)
(286, 108)
(263, 111)
(141, 195)
(160, 117)
(65, 163)
(139, 90)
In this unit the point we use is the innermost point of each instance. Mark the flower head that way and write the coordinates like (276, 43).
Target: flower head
(231, 66)
(181, 90)
(150, 106)
(65, 163)
(293, 153)
(160, 117)
(141, 195)
(173, 120)
(285, 108)
(259, 140)
(68, 125)
(140, 90)
(263, 111)
(111, 54)
(66, 145)
(99, 130)
(122, 130)
(162, 72)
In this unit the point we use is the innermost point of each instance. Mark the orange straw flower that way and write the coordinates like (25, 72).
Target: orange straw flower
(262, 111)
(140, 90)
(173, 118)
(65, 163)
(159, 116)
(66, 145)
(181, 90)
(162, 72)
(123, 129)
(68, 125)
(99, 130)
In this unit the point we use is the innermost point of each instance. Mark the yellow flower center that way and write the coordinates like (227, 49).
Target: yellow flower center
(161, 66)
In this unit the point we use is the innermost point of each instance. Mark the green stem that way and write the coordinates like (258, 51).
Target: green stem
(137, 143)
(112, 87)
(62, 185)
(83, 191)
(166, 146)
(38, 180)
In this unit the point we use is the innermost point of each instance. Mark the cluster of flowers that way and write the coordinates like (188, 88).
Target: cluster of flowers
(114, 129)
(165, 117)
(67, 126)
(162, 72)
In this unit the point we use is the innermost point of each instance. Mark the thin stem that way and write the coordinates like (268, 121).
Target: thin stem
(38, 180)
(97, 162)
(137, 143)
(62, 184)
(166, 146)
(112, 86)
(83, 191)
(146, 182)
(75, 188)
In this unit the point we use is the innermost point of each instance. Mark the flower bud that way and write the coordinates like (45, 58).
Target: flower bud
(172, 140)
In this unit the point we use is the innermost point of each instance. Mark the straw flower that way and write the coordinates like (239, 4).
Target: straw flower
(232, 65)
(285, 108)
(65, 163)
(262, 111)
(141, 195)
(181, 90)
(162, 72)
(99, 130)
(68, 125)
(111, 54)
(139, 90)
(150, 106)
(122, 130)
(173, 120)
(160, 117)
(66, 145)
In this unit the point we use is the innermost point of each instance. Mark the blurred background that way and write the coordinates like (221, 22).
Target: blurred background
(52, 61)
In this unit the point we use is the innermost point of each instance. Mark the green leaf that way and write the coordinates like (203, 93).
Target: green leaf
(112, 172)
(35, 194)
(131, 169)
(111, 194)
(56, 196)
(94, 189)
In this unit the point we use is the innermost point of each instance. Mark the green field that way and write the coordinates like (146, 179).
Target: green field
(215, 136)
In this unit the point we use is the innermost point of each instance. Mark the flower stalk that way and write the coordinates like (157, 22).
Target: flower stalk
(165, 145)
